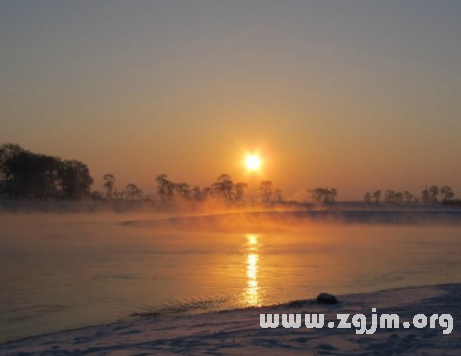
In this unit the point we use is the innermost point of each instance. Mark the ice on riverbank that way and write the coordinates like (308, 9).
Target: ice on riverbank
(238, 332)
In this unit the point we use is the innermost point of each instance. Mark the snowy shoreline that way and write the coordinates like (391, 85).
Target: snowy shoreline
(238, 332)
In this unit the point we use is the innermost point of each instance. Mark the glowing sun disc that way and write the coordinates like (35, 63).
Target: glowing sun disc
(253, 162)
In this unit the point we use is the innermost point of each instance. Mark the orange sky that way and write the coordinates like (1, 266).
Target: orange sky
(354, 95)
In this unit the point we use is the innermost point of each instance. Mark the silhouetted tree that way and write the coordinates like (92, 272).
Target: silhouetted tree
(267, 190)
(109, 185)
(425, 196)
(36, 176)
(207, 192)
(398, 197)
(377, 196)
(196, 193)
(224, 186)
(47, 176)
(331, 195)
(447, 193)
(165, 188)
(11, 168)
(240, 190)
(183, 190)
(433, 192)
(323, 195)
(316, 194)
(119, 194)
(389, 196)
(408, 196)
(367, 197)
(133, 192)
(8, 165)
(96, 195)
(75, 179)
(278, 195)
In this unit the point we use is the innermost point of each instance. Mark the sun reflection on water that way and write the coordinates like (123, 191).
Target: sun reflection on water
(252, 292)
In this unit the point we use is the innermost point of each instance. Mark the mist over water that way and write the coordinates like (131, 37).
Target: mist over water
(62, 271)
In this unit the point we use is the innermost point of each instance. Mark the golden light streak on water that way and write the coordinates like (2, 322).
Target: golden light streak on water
(252, 291)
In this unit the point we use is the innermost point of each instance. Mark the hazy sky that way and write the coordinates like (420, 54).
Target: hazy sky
(356, 95)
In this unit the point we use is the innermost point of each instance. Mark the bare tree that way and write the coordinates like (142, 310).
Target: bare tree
(240, 190)
(425, 196)
(316, 194)
(109, 183)
(278, 195)
(267, 190)
(377, 196)
(447, 193)
(196, 193)
(367, 197)
(331, 195)
(183, 190)
(165, 188)
(224, 186)
(119, 194)
(323, 195)
(408, 196)
(389, 196)
(133, 191)
(433, 192)
(207, 192)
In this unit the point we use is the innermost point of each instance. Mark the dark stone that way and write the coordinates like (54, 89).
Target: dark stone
(327, 298)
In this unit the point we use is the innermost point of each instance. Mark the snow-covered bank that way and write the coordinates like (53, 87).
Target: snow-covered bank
(238, 332)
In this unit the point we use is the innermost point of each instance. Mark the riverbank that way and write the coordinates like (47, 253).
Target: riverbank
(238, 332)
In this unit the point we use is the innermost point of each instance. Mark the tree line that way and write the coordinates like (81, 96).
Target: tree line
(223, 188)
(429, 194)
(323, 195)
(29, 175)
(131, 191)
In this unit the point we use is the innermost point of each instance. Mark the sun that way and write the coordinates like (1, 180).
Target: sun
(253, 163)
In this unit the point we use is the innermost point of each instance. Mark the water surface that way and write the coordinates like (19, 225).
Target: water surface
(67, 271)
